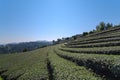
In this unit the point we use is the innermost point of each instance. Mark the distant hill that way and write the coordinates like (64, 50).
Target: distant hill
(23, 46)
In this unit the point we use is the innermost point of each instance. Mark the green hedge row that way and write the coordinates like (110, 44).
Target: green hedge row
(102, 44)
(115, 50)
(66, 70)
(109, 31)
(82, 39)
(106, 65)
(96, 41)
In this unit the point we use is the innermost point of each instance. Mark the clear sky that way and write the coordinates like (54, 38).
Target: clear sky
(31, 20)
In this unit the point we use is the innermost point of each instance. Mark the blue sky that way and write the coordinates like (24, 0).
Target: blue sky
(31, 20)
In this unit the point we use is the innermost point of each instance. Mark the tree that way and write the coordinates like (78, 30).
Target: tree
(58, 40)
(74, 37)
(109, 25)
(94, 30)
(101, 26)
(67, 38)
(97, 28)
(85, 33)
(53, 41)
(91, 32)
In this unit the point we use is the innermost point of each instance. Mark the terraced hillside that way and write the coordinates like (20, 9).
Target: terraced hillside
(93, 57)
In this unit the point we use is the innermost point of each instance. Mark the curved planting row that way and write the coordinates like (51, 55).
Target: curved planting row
(96, 41)
(102, 44)
(66, 70)
(112, 30)
(115, 50)
(112, 35)
(105, 65)
(24, 66)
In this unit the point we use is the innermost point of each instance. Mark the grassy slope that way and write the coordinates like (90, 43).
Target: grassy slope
(33, 66)
(29, 65)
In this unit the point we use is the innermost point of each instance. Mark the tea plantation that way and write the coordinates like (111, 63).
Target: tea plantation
(92, 57)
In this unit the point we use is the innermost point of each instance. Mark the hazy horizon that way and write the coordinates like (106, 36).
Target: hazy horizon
(17, 42)
(33, 20)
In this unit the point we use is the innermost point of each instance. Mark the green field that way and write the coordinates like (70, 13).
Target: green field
(93, 57)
